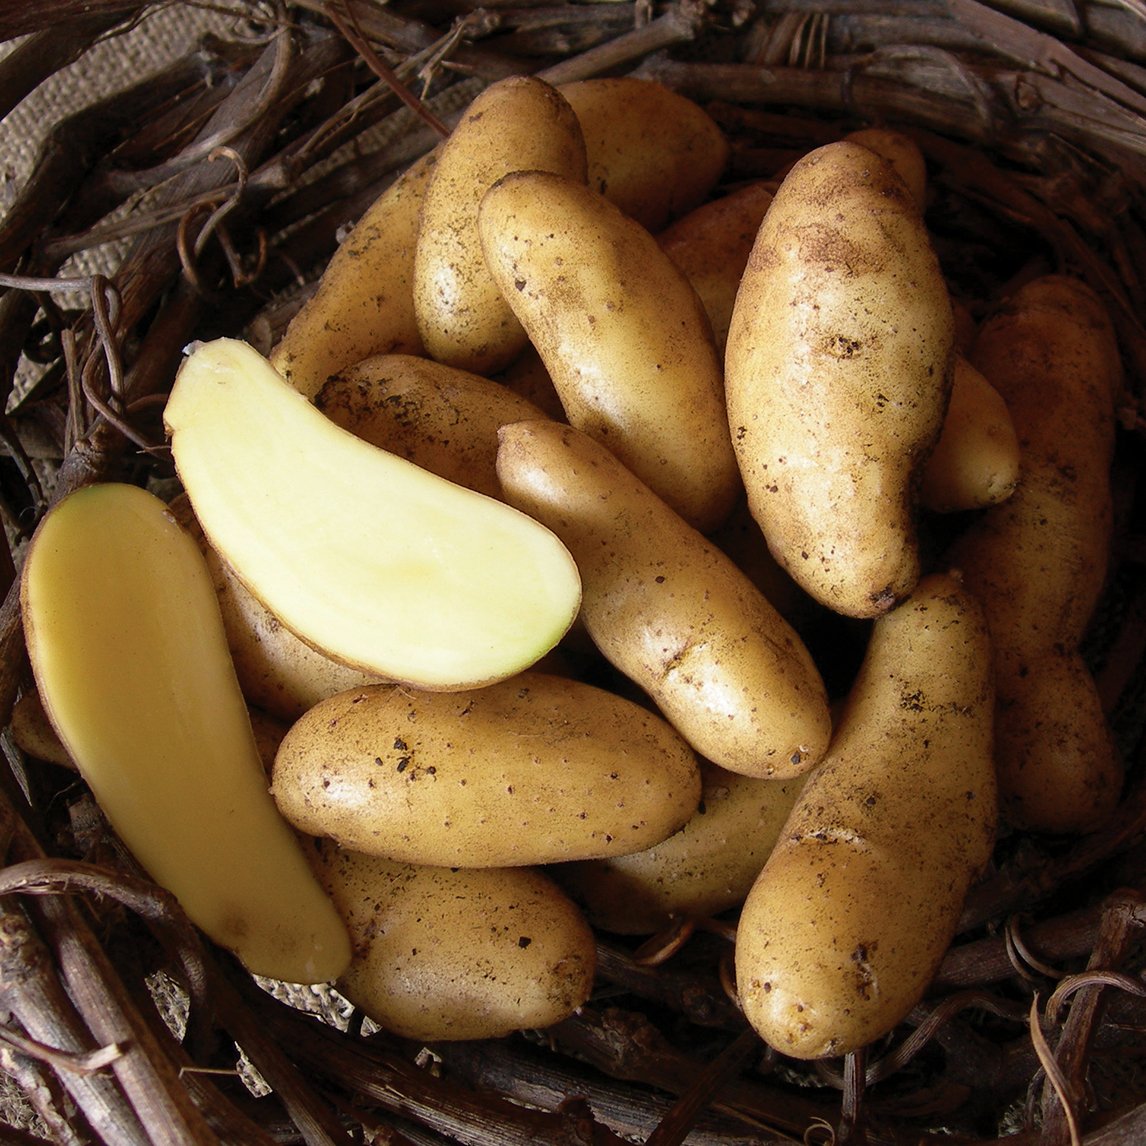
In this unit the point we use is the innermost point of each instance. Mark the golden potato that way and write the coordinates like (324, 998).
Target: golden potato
(1039, 560)
(902, 152)
(858, 902)
(456, 953)
(132, 665)
(705, 868)
(838, 374)
(440, 418)
(622, 333)
(711, 245)
(519, 123)
(536, 769)
(976, 460)
(364, 302)
(668, 609)
(653, 152)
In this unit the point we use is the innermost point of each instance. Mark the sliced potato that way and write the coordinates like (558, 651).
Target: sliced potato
(375, 561)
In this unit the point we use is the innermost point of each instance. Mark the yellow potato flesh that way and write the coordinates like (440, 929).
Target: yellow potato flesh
(379, 563)
(131, 661)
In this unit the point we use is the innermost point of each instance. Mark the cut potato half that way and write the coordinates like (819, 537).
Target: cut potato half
(131, 661)
(377, 562)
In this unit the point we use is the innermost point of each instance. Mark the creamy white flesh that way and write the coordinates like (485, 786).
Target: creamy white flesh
(131, 661)
(366, 556)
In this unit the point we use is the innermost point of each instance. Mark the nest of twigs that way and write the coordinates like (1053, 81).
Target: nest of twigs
(199, 198)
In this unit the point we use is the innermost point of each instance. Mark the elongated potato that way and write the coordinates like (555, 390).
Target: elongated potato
(131, 662)
(859, 900)
(440, 418)
(707, 867)
(668, 609)
(364, 302)
(278, 672)
(653, 152)
(838, 374)
(976, 460)
(622, 333)
(519, 123)
(1039, 560)
(711, 244)
(379, 563)
(457, 953)
(537, 769)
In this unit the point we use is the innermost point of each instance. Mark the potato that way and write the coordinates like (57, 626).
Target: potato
(622, 333)
(517, 123)
(455, 953)
(536, 769)
(668, 609)
(858, 902)
(976, 461)
(838, 374)
(131, 663)
(902, 152)
(364, 302)
(653, 152)
(440, 418)
(278, 672)
(705, 868)
(711, 245)
(1039, 560)
(380, 564)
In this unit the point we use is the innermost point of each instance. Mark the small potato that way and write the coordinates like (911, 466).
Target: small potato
(519, 123)
(277, 671)
(453, 953)
(838, 375)
(442, 419)
(364, 303)
(858, 902)
(902, 152)
(705, 868)
(622, 333)
(536, 769)
(1039, 560)
(975, 463)
(668, 609)
(653, 152)
(711, 245)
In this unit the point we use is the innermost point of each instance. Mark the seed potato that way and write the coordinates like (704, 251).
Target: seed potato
(536, 769)
(838, 375)
(1039, 560)
(622, 333)
(514, 124)
(454, 953)
(859, 900)
(668, 609)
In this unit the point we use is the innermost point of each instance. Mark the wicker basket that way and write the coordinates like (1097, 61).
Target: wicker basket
(192, 187)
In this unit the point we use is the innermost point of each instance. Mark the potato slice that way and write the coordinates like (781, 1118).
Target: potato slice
(379, 563)
(131, 662)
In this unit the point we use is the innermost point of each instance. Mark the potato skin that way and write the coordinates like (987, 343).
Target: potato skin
(517, 123)
(653, 152)
(622, 333)
(706, 868)
(455, 953)
(442, 419)
(669, 609)
(364, 302)
(851, 915)
(838, 373)
(1039, 560)
(535, 769)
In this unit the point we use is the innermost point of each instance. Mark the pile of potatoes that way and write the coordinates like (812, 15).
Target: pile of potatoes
(755, 421)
